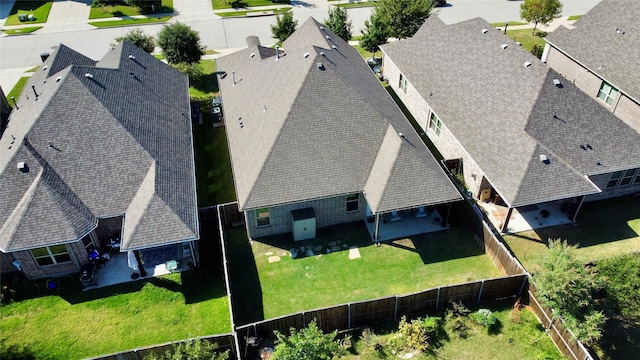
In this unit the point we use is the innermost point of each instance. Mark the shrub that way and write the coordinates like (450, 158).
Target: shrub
(414, 333)
(193, 71)
(308, 343)
(485, 318)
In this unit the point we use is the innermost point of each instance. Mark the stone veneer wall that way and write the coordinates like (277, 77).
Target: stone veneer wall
(329, 211)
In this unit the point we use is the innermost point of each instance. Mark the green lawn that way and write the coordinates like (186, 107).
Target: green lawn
(244, 13)
(236, 4)
(605, 228)
(263, 290)
(74, 324)
(101, 12)
(355, 4)
(574, 17)
(524, 340)
(39, 9)
(17, 89)
(22, 31)
(132, 21)
(511, 23)
(526, 38)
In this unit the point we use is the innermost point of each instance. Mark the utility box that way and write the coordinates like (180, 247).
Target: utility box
(304, 224)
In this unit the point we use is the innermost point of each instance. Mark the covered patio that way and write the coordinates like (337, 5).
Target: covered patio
(526, 217)
(401, 224)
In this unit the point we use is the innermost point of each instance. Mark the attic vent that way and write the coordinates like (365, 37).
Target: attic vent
(320, 66)
(545, 160)
(527, 64)
(504, 46)
(484, 31)
(328, 37)
(334, 47)
(132, 57)
(323, 54)
(44, 67)
(88, 75)
(306, 55)
(58, 78)
(22, 166)
(252, 55)
(557, 83)
(321, 27)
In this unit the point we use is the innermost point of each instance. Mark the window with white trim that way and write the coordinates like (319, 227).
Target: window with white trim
(435, 124)
(51, 255)
(353, 202)
(607, 93)
(403, 84)
(263, 217)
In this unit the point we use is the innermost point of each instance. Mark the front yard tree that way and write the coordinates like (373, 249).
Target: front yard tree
(284, 27)
(540, 11)
(339, 23)
(404, 17)
(374, 34)
(138, 38)
(566, 286)
(309, 343)
(180, 44)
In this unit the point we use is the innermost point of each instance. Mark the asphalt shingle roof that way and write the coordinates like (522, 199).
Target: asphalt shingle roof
(506, 115)
(595, 43)
(311, 123)
(101, 139)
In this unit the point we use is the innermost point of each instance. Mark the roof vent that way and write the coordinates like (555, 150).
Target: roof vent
(252, 55)
(504, 46)
(334, 47)
(328, 37)
(484, 31)
(58, 78)
(527, 64)
(589, 147)
(322, 53)
(132, 57)
(401, 135)
(320, 66)
(44, 67)
(88, 75)
(321, 27)
(545, 160)
(557, 83)
(240, 122)
(306, 55)
(22, 166)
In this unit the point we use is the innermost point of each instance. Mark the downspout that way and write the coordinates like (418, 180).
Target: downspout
(375, 231)
(445, 221)
(506, 221)
(575, 214)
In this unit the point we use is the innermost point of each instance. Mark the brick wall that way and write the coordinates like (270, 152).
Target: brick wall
(33, 271)
(628, 111)
(329, 211)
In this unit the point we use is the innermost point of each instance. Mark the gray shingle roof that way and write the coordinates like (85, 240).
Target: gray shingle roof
(116, 142)
(312, 123)
(502, 112)
(597, 45)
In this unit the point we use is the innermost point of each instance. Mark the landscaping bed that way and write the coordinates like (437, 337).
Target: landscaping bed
(39, 11)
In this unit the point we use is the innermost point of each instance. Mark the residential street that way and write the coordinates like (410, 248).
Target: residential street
(67, 24)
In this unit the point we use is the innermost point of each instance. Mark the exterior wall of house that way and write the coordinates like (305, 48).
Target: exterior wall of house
(5, 263)
(329, 211)
(624, 107)
(445, 142)
(33, 271)
(620, 190)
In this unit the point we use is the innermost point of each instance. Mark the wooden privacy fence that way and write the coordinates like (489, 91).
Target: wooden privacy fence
(369, 312)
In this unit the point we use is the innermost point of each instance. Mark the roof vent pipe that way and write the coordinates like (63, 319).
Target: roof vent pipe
(484, 31)
(34, 91)
(504, 46)
(14, 103)
(277, 52)
(233, 75)
(132, 57)
(527, 64)
(88, 75)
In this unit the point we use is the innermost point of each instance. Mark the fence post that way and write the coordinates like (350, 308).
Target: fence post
(480, 292)
(395, 310)
(438, 300)
(304, 320)
(349, 316)
(524, 282)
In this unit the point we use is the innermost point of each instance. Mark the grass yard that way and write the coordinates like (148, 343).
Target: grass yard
(39, 9)
(268, 11)
(132, 21)
(22, 31)
(526, 38)
(605, 229)
(355, 4)
(107, 11)
(511, 23)
(266, 290)
(574, 17)
(525, 340)
(17, 89)
(237, 4)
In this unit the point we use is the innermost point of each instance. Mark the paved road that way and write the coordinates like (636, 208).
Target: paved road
(67, 24)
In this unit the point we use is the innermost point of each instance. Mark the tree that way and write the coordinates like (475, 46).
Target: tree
(566, 286)
(196, 349)
(375, 33)
(180, 44)
(309, 343)
(284, 27)
(138, 38)
(540, 11)
(339, 23)
(404, 17)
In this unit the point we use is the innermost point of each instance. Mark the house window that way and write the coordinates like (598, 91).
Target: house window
(262, 217)
(51, 255)
(613, 180)
(403, 84)
(628, 177)
(353, 202)
(87, 242)
(435, 124)
(607, 93)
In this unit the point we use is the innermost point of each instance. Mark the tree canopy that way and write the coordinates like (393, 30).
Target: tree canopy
(339, 22)
(180, 44)
(540, 11)
(138, 38)
(404, 17)
(284, 27)
(197, 349)
(375, 33)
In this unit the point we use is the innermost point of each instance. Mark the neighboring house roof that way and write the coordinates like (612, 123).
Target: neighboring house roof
(314, 122)
(99, 142)
(606, 41)
(506, 115)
